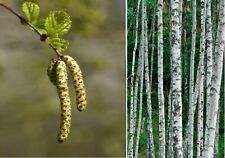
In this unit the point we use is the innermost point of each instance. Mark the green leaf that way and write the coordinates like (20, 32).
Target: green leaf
(31, 10)
(40, 25)
(57, 23)
(58, 43)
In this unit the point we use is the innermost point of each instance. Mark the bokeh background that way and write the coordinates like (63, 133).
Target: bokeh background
(29, 105)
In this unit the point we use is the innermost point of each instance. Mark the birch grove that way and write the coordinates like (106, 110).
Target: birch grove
(176, 79)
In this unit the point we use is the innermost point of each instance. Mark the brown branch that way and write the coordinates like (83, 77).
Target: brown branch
(24, 20)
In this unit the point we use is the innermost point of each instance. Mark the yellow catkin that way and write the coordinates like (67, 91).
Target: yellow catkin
(63, 92)
(78, 82)
(51, 71)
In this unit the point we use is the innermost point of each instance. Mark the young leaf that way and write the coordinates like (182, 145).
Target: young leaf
(58, 43)
(57, 23)
(31, 10)
(40, 25)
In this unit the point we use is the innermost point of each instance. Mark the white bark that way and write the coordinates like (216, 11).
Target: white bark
(142, 51)
(170, 127)
(211, 118)
(132, 122)
(142, 125)
(191, 85)
(201, 85)
(150, 140)
(180, 19)
(170, 107)
(200, 114)
(195, 95)
(176, 79)
(209, 47)
(216, 145)
(136, 94)
(160, 82)
(200, 123)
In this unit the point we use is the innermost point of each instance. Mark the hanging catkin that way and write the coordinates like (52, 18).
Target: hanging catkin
(63, 92)
(77, 80)
(51, 71)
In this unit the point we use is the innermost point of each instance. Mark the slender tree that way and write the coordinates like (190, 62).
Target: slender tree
(200, 118)
(170, 107)
(132, 121)
(216, 145)
(209, 49)
(142, 52)
(201, 85)
(170, 127)
(176, 79)
(211, 117)
(148, 84)
(142, 125)
(139, 79)
(191, 86)
(160, 82)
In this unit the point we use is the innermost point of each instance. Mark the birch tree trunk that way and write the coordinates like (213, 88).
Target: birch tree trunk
(176, 79)
(180, 18)
(201, 85)
(142, 125)
(216, 146)
(142, 51)
(170, 107)
(136, 95)
(170, 128)
(200, 114)
(191, 86)
(160, 82)
(209, 49)
(150, 140)
(211, 119)
(200, 122)
(132, 122)
(194, 100)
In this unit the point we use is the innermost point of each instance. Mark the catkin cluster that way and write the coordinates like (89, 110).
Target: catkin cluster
(57, 73)
(77, 81)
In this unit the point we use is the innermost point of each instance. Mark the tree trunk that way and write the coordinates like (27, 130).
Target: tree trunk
(224, 105)
(150, 140)
(142, 51)
(190, 127)
(160, 82)
(213, 103)
(209, 46)
(142, 125)
(170, 107)
(170, 128)
(132, 122)
(201, 85)
(176, 79)
(200, 114)
(216, 145)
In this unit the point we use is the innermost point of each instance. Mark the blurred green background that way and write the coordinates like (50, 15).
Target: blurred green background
(29, 105)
